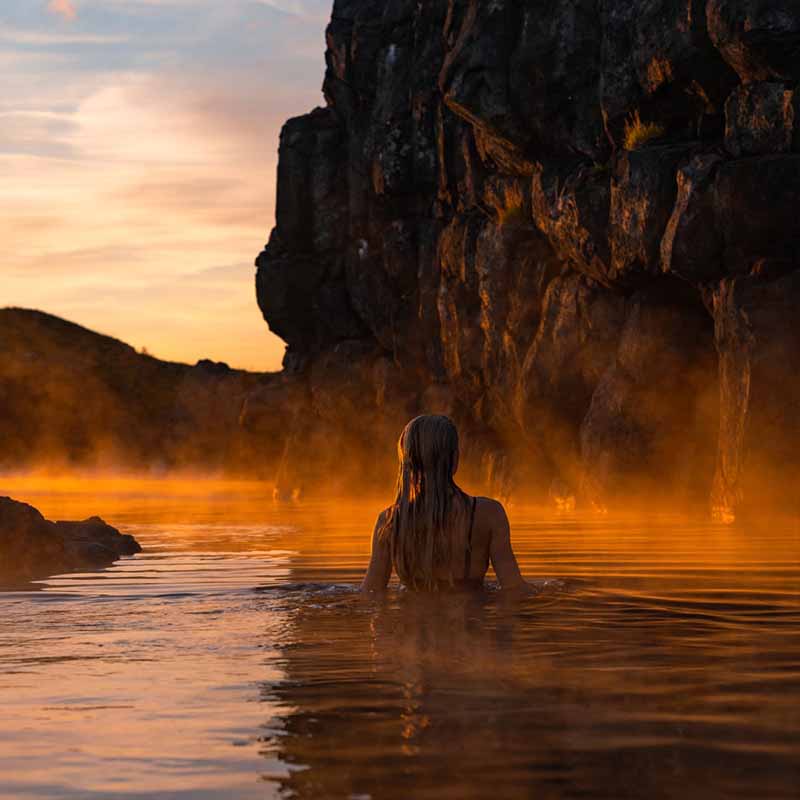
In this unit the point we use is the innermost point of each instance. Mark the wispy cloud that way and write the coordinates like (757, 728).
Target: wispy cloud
(131, 173)
(64, 8)
(126, 200)
(21, 36)
(297, 8)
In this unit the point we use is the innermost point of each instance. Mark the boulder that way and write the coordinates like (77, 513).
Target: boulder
(32, 547)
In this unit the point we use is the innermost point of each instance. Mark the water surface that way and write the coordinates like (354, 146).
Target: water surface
(233, 659)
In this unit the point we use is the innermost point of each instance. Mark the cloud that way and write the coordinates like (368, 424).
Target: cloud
(19, 36)
(133, 173)
(304, 10)
(34, 132)
(119, 211)
(63, 8)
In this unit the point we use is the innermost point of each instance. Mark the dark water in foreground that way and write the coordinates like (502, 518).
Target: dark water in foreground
(234, 660)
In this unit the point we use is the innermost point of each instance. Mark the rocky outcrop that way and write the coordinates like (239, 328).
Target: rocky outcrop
(574, 229)
(654, 405)
(32, 547)
(758, 341)
(70, 397)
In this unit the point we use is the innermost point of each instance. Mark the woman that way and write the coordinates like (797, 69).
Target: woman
(435, 535)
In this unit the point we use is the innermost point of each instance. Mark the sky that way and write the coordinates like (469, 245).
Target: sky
(138, 147)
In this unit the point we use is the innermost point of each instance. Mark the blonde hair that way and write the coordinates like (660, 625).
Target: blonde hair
(418, 524)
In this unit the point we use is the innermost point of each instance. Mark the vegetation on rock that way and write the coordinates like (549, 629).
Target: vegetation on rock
(638, 133)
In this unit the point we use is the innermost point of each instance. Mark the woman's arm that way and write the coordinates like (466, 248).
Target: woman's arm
(502, 555)
(380, 563)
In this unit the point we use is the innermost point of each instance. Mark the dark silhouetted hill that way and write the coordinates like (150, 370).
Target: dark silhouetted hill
(73, 397)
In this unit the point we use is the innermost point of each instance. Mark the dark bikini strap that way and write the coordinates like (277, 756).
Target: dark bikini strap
(468, 550)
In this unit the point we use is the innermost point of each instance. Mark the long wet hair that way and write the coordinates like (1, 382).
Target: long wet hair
(419, 524)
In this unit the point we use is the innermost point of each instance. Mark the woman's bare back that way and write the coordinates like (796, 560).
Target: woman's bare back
(482, 538)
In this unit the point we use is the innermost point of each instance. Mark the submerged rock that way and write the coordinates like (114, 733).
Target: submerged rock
(32, 547)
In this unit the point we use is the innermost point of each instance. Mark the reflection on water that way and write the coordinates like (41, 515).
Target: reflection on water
(234, 659)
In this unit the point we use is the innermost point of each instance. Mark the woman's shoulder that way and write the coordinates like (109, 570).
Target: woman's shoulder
(385, 515)
(488, 503)
(489, 508)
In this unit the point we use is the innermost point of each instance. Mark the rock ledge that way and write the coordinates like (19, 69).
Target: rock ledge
(33, 547)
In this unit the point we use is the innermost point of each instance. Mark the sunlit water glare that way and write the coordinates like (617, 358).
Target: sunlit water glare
(233, 659)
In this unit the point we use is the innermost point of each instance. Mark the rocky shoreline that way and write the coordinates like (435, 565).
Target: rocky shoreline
(32, 547)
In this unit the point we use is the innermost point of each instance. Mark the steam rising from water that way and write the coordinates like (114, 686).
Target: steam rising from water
(233, 658)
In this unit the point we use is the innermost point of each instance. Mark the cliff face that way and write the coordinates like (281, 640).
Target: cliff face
(575, 230)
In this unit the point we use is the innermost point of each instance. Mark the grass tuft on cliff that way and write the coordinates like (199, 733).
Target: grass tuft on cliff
(638, 133)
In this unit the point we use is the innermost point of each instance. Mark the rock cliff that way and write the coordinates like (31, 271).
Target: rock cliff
(574, 227)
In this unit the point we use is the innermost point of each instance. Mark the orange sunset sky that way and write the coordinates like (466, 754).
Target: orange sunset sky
(138, 149)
